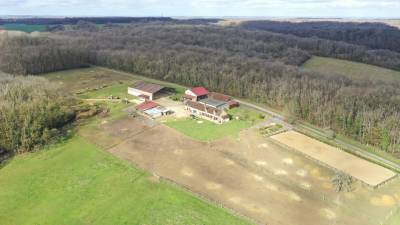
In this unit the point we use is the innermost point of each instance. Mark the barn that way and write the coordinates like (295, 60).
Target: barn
(146, 91)
(196, 94)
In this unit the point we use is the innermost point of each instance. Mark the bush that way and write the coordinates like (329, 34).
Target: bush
(331, 134)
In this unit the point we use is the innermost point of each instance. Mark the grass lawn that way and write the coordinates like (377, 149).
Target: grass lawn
(107, 81)
(24, 27)
(118, 90)
(204, 130)
(76, 183)
(85, 79)
(352, 70)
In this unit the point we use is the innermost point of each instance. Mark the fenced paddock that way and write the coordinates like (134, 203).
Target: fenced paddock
(356, 167)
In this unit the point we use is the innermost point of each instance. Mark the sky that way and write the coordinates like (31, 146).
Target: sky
(205, 8)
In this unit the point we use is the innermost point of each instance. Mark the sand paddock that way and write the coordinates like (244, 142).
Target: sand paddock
(358, 168)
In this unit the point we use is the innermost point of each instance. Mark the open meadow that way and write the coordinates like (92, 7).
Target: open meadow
(99, 82)
(352, 70)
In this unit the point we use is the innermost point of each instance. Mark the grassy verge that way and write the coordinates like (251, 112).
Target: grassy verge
(76, 183)
(204, 130)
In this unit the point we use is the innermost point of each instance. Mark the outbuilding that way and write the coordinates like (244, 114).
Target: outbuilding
(196, 93)
(153, 109)
(145, 91)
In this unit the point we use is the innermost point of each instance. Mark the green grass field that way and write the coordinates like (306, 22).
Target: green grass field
(84, 80)
(117, 90)
(24, 27)
(76, 183)
(352, 70)
(204, 130)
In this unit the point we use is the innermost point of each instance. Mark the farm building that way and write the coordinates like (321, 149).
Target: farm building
(202, 110)
(196, 94)
(214, 103)
(152, 109)
(146, 91)
(229, 101)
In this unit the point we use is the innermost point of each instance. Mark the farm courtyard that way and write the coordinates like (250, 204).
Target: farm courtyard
(231, 165)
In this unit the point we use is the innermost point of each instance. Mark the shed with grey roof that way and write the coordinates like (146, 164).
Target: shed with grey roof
(214, 103)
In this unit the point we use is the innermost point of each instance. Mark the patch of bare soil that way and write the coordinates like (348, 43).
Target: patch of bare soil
(236, 182)
(108, 134)
(251, 175)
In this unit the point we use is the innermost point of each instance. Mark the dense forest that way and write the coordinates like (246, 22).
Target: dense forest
(372, 35)
(28, 54)
(31, 112)
(254, 64)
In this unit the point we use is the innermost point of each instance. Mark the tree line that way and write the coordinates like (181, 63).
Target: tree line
(371, 35)
(257, 65)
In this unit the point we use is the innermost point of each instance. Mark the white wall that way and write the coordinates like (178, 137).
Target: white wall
(136, 92)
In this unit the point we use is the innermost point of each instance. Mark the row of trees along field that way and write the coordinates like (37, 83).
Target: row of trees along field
(257, 65)
(31, 112)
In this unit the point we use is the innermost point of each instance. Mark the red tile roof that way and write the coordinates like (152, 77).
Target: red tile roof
(147, 87)
(233, 103)
(146, 105)
(199, 91)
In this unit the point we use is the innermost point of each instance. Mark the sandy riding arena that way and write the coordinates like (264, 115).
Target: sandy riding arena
(360, 169)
